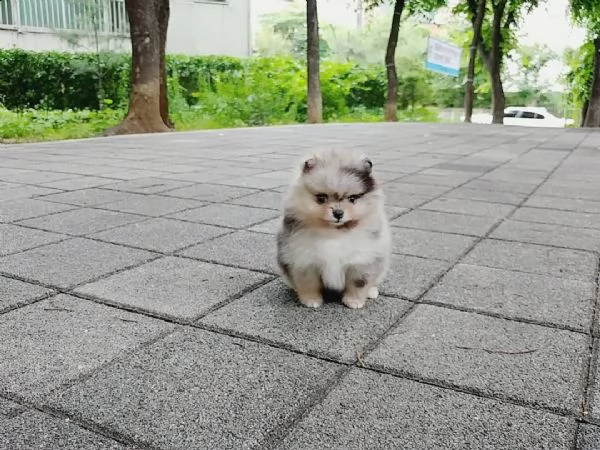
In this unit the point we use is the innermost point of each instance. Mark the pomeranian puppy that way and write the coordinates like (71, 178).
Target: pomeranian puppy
(334, 237)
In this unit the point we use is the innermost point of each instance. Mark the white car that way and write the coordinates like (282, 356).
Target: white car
(525, 116)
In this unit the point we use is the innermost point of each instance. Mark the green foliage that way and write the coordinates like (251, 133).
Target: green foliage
(581, 72)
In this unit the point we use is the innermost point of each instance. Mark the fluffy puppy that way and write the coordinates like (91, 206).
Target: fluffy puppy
(334, 235)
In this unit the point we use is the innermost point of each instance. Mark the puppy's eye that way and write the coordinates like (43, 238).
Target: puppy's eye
(353, 198)
(321, 198)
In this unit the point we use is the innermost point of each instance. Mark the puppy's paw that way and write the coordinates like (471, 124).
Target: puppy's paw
(353, 302)
(373, 293)
(311, 302)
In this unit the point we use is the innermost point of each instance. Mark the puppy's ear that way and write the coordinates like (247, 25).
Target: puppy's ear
(367, 164)
(308, 165)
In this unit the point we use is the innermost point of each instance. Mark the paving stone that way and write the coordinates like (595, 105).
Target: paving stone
(161, 235)
(588, 437)
(35, 177)
(233, 216)
(438, 180)
(30, 429)
(469, 207)
(147, 185)
(372, 411)
(429, 244)
(210, 192)
(556, 262)
(14, 238)
(410, 276)
(252, 182)
(510, 198)
(22, 192)
(71, 262)
(212, 391)
(63, 338)
(519, 295)
(502, 186)
(80, 182)
(89, 197)
(528, 363)
(174, 287)
(568, 192)
(82, 221)
(446, 222)
(243, 249)
(13, 210)
(547, 234)
(153, 205)
(14, 293)
(555, 217)
(264, 199)
(579, 205)
(333, 331)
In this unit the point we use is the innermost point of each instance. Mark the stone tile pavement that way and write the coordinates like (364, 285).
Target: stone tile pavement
(140, 306)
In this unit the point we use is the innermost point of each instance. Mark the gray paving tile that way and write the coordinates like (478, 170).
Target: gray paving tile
(215, 391)
(89, 197)
(82, 221)
(14, 293)
(523, 187)
(569, 192)
(252, 182)
(174, 287)
(529, 363)
(210, 192)
(556, 262)
(567, 204)
(71, 262)
(80, 182)
(23, 192)
(233, 216)
(243, 248)
(264, 199)
(446, 222)
(147, 185)
(13, 210)
(548, 234)
(556, 217)
(30, 429)
(334, 331)
(268, 227)
(410, 276)
(429, 244)
(162, 235)
(555, 301)
(510, 198)
(59, 339)
(372, 411)
(14, 238)
(35, 177)
(438, 180)
(588, 437)
(469, 207)
(153, 205)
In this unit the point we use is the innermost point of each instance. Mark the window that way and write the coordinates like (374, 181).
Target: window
(512, 113)
(539, 116)
(104, 16)
(527, 115)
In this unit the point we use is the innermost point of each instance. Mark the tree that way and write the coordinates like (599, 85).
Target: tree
(530, 61)
(580, 76)
(469, 87)
(148, 103)
(587, 13)
(413, 7)
(315, 100)
(496, 39)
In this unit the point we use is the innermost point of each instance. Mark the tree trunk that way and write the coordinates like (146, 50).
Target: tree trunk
(592, 116)
(315, 101)
(163, 23)
(144, 114)
(390, 110)
(495, 64)
(584, 110)
(469, 88)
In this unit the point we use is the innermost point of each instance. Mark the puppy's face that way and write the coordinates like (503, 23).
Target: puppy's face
(335, 190)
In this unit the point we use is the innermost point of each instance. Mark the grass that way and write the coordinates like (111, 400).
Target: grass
(40, 125)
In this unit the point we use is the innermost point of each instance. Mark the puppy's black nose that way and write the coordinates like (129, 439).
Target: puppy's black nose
(338, 213)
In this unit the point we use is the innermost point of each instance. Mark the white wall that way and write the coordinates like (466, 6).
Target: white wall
(195, 28)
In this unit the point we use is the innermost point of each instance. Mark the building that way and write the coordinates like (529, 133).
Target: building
(196, 27)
